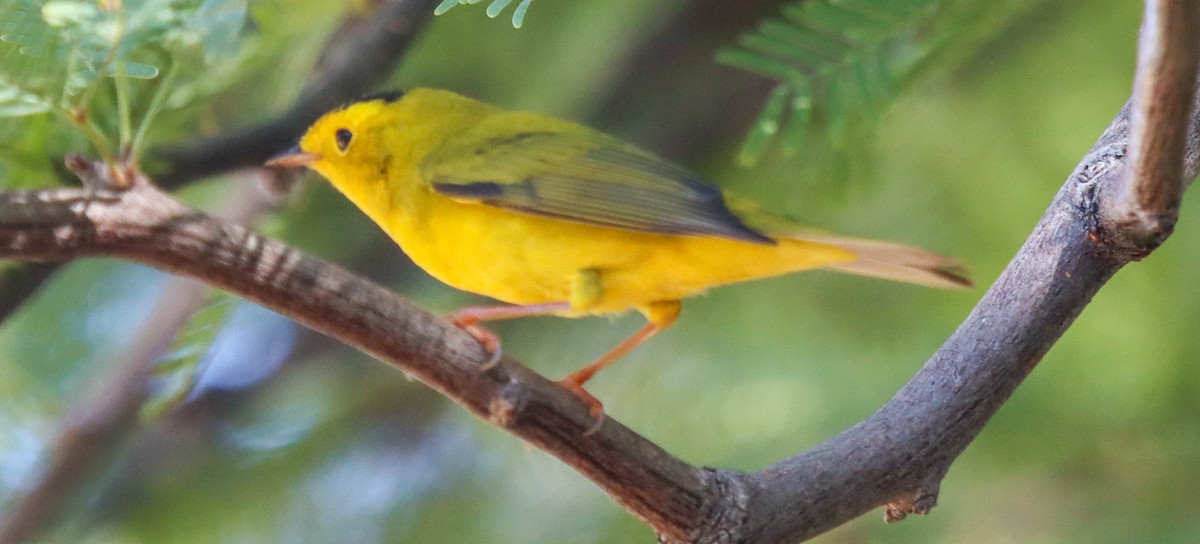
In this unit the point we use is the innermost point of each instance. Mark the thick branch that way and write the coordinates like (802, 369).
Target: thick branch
(1142, 213)
(899, 455)
(146, 225)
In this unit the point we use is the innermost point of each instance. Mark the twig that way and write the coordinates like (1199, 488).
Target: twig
(1142, 213)
(361, 52)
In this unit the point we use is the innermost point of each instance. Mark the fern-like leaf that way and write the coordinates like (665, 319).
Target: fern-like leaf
(174, 373)
(60, 56)
(29, 50)
(493, 10)
(839, 61)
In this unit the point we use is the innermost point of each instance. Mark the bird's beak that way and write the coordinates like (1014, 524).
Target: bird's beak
(292, 158)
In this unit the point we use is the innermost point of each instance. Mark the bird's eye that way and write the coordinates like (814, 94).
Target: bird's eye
(343, 137)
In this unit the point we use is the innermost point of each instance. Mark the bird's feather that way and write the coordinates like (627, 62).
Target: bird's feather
(583, 177)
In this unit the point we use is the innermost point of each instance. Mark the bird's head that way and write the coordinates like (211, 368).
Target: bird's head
(345, 143)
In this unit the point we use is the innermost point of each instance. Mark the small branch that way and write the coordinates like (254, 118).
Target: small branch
(145, 225)
(361, 53)
(1144, 210)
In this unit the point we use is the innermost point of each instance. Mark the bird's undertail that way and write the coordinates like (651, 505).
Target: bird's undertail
(895, 262)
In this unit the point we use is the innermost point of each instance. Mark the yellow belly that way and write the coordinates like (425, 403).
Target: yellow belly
(524, 259)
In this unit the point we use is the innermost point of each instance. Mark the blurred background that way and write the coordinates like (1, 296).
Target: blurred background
(260, 431)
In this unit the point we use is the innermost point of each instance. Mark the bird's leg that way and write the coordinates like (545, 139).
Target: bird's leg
(659, 315)
(468, 320)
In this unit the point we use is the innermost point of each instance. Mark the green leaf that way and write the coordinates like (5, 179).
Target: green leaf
(493, 10)
(518, 17)
(175, 372)
(17, 102)
(31, 52)
(767, 66)
(766, 127)
(841, 61)
(21, 24)
(138, 70)
(67, 13)
(827, 17)
(822, 47)
(96, 57)
(214, 30)
(446, 5)
(796, 128)
(496, 7)
(836, 111)
(773, 47)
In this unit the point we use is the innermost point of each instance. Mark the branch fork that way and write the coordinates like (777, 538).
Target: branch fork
(1139, 213)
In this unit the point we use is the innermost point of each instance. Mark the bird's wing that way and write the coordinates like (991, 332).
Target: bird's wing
(581, 176)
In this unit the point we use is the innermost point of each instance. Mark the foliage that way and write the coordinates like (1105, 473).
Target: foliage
(175, 372)
(493, 10)
(90, 62)
(840, 61)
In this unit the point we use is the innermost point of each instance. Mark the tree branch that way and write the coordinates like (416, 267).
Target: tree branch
(1140, 214)
(146, 225)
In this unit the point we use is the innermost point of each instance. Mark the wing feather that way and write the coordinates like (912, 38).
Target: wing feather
(585, 177)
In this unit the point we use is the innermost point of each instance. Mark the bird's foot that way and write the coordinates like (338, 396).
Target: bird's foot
(595, 407)
(487, 339)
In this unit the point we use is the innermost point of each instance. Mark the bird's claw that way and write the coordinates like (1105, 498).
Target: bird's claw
(595, 407)
(487, 340)
(497, 354)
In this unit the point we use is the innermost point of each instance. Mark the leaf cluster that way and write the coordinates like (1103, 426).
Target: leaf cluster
(839, 62)
(493, 10)
(90, 62)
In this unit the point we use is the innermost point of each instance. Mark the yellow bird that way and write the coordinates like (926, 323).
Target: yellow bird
(555, 218)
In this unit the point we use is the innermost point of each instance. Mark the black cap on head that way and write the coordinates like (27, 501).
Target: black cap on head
(386, 96)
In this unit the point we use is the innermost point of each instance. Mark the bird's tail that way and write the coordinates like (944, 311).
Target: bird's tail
(876, 259)
(894, 262)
